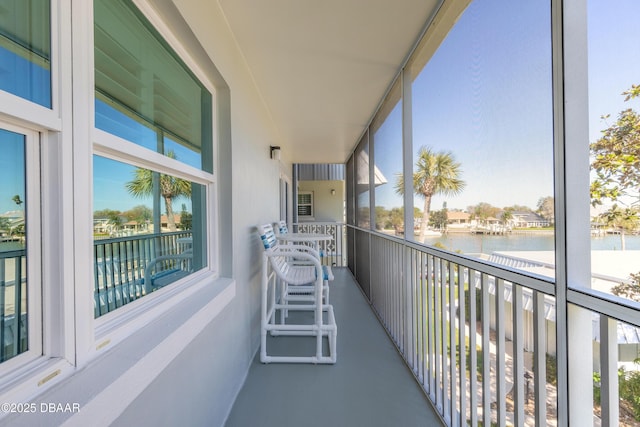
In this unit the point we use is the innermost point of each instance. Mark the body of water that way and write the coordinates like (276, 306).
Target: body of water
(479, 243)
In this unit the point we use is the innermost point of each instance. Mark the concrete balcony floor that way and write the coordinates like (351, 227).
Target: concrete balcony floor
(370, 385)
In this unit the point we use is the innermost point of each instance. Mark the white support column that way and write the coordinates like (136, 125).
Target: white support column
(573, 245)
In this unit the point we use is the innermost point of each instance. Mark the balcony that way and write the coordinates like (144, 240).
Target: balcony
(435, 307)
(369, 386)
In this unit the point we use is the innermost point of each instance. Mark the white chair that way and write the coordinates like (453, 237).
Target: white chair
(302, 290)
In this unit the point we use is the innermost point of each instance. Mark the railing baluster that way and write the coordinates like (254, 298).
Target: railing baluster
(446, 408)
(609, 371)
(486, 353)
(462, 335)
(473, 350)
(540, 363)
(452, 343)
(518, 355)
(501, 389)
(120, 264)
(431, 324)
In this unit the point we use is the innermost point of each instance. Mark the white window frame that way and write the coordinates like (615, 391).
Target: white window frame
(310, 204)
(117, 325)
(33, 250)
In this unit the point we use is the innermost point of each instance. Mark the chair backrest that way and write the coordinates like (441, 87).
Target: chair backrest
(282, 227)
(267, 236)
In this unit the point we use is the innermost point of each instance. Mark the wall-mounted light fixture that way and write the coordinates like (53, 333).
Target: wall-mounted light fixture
(274, 152)
(333, 192)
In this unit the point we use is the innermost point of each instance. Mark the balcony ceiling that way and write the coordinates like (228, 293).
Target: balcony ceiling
(322, 67)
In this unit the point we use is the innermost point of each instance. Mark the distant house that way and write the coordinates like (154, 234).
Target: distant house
(526, 219)
(457, 217)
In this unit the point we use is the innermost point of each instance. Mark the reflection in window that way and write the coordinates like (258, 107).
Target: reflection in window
(25, 50)
(483, 102)
(13, 253)
(614, 136)
(147, 229)
(144, 92)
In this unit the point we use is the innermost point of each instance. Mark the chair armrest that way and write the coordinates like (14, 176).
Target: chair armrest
(148, 278)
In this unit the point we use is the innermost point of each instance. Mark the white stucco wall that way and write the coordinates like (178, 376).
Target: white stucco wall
(187, 366)
(204, 380)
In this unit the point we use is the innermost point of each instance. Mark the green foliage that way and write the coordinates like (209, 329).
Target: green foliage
(628, 290)
(546, 208)
(435, 173)
(628, 389)
(438, 219)
(186, 219)
(145, 182)
(616, 156)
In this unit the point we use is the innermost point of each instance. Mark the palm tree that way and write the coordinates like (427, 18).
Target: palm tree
(436, 173)
(171, 188)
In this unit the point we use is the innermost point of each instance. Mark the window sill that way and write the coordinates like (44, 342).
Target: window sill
(107, 385)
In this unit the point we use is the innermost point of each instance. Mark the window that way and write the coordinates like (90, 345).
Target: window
(19, 244)
(482, 122)
(387, 145)
(614, 120)
(363, 203)
(305, 205)
(25, 50)
(150, 210)
(144, 92)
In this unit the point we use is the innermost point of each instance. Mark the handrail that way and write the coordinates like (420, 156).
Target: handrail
(120, 264)
(438, 306)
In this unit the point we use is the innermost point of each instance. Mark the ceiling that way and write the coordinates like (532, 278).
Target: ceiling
(323, 66)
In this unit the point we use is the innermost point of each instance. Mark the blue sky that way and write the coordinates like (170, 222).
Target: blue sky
(11, 170)
(485, 96)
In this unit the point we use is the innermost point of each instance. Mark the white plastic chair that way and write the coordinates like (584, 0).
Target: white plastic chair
(278, 267)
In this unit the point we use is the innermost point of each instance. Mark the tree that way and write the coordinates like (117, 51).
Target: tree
(482, 211)
(186, 218)
(616, 163)
(141, 214)
(546, 208)
(436, 173)
(438, 219)
(630, 290)
(170, 188)
(622, 220)
(507, 216)
(616, 156)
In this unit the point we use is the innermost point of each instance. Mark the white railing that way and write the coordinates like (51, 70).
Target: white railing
(481, 339)
(13, 297)
(334, 250)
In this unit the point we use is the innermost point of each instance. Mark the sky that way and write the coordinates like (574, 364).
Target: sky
(485, 96)
(12, 168)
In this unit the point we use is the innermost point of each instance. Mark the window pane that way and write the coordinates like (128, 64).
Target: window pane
(144, 92)
(147, 230)
(387, 147)
(614, 136)
(13, 253)
(25, 52)
(483, 137)
(362, 186)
